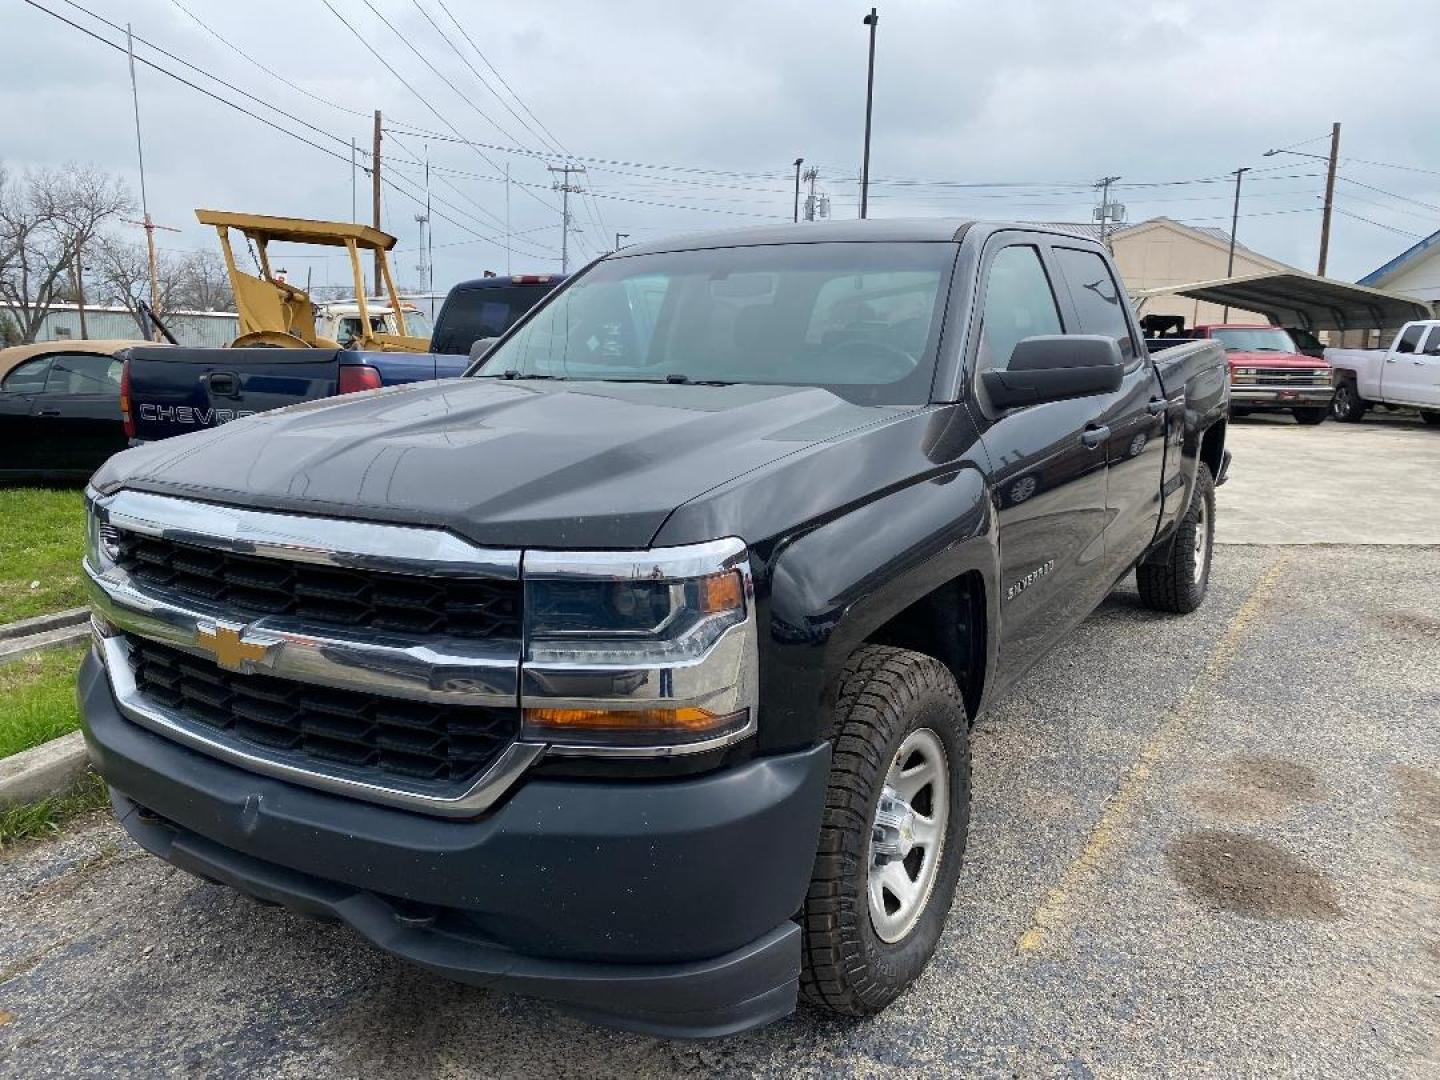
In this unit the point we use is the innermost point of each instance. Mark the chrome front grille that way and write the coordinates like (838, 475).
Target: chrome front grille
(363, 735)
(1292, 376)
(251, 586)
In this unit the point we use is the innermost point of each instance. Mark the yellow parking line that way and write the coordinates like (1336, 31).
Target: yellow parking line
(1057, 907)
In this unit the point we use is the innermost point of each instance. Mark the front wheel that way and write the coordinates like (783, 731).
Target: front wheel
(896, 816)
(1178, 584)
(1347, 405)
(1310, 416)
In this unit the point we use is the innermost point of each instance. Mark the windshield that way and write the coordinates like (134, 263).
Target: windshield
(1254, 339)
(417, 323)
(857, 318)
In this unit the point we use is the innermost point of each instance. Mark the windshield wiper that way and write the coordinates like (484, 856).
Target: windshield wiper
(512, 373)
(686, 380)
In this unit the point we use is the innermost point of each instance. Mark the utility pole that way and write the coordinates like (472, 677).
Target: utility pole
(507, 219)
(375, 198)
(80, 292)
(566, 189)
(1105, 211)
(798, 162)
(354, 204)
(1234, 226)
(620, 236)
(872, 20)
(1329, 198)
(144, 201)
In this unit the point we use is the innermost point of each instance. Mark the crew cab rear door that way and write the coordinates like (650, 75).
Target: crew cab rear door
(1047, 461)
(1133, 419)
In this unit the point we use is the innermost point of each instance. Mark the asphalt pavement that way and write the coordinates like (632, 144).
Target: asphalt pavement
(1200, 846)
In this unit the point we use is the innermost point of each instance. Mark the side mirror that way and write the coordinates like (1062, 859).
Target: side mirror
(1055, 367)
(480, 347)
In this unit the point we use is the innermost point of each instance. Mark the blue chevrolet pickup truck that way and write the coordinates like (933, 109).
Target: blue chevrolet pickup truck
(169, 391)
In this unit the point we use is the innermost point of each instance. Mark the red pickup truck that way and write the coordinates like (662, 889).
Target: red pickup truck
(1269, 373)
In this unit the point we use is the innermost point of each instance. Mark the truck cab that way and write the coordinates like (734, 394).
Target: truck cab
(1269, 372)
(1405, 375)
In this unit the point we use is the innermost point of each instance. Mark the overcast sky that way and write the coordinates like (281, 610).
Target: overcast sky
(702, 108)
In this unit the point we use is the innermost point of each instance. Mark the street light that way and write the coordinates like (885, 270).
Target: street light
(798, 162)
(1234, 224)
(1333, 158)
(620, 236)
(872, 20)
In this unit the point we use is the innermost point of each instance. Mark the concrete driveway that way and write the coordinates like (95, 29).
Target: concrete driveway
(1201, 846)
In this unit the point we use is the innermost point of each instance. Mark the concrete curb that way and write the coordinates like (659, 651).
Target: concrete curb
(41, 623)
(51, 768)
(13, 648)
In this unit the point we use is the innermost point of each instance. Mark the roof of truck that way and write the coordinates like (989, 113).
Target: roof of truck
(896, 230)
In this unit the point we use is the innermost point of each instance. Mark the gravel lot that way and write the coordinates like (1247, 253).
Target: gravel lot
(1200, 846)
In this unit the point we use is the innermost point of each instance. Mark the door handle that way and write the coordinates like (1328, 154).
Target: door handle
(224, 383)
(49, 412)
(1095, 435)
(1156, 406)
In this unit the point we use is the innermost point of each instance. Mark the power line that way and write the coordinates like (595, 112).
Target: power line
(1380, 225)
(1391, 194)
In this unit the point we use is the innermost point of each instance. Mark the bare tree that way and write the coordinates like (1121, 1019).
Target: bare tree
(121, 275)
(203, 284)
(46, 220)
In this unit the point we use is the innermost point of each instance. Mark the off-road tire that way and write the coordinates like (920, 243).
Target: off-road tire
(1307, 417)
(1347, 405)
(1431, 418)
(1175, 585)
(885, 694)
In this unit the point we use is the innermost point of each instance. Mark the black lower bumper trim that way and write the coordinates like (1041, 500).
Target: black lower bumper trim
(720, 996)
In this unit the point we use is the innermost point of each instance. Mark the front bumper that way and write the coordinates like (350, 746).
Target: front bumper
(658, 906)
(1281, 397)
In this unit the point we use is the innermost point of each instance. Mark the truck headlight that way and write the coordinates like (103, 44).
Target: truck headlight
(102, 542)
(647, 652)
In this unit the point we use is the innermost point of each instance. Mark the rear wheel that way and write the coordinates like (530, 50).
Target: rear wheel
(1178, 585)
(1310, 416)
(1431, 418)
(893, 835)
(1347, 404)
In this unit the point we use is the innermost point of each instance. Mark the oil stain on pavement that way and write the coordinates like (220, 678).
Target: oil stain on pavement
(1248, 876)
(1257, 787)
(1419, 811)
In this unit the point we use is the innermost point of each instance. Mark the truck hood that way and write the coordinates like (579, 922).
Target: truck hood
(505, 463)
(1273, 359)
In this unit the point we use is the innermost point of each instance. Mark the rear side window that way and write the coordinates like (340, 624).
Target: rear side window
(1098, 303)
(29, 377)
(1432, 343)
(472, 314)
(1019, 303)
(1410, 339)
(84, 373)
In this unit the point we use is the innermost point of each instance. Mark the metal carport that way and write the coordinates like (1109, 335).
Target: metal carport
(1293, 298)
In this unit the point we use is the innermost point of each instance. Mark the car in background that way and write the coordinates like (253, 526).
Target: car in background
(60, 408)
(485, 308)
(176, 391)
(342, 321)
(1406, 375)
(1269, 373)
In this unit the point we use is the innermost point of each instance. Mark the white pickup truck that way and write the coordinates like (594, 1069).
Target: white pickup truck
(1406, 374)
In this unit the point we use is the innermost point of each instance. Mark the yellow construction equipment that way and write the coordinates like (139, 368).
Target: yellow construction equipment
(273, 312)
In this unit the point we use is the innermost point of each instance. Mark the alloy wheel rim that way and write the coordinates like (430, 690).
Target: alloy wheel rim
(907, 834)
(1202, 540)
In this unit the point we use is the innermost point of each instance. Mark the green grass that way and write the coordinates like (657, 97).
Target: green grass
(37, 698)
(42, 539)
(35, 821)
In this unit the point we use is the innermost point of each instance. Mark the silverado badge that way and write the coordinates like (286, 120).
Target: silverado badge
(231, 652)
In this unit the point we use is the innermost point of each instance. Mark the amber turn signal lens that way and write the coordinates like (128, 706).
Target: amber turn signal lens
(720, 592)
(691, 720)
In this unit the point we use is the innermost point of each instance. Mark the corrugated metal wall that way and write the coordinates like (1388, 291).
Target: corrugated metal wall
(203, 330)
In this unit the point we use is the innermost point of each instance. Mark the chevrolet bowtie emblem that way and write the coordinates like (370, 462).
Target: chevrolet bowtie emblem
(230, 651)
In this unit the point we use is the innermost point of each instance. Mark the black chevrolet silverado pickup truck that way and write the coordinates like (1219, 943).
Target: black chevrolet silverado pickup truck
(636, 670)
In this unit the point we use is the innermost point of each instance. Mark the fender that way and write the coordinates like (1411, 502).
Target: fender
(831, 588)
